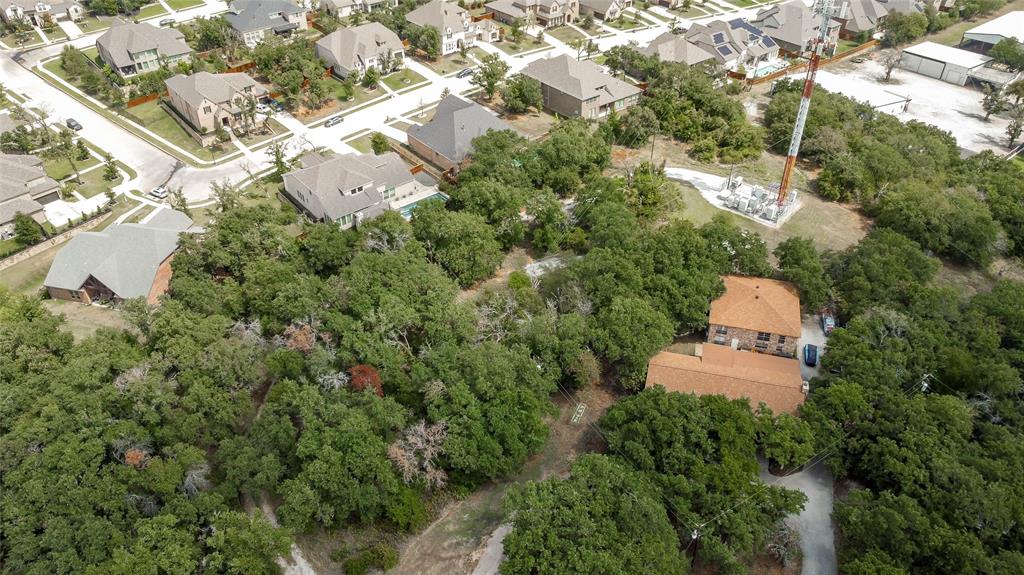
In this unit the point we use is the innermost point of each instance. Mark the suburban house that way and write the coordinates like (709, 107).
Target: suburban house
(455, 25)
(983, 37)
(344, 8)
(37, 12)
(131, 49)
(720, 370)
(670, 47)
(756, 314)
(735, 44)
(793, 25)
(863, 18)
(580, 88)
(604, 9)
(543, 13)
(351, 188)
(123, 261)
(24, 188)
(447, 139)
(204, 102)
(253, 20)
(352, 51)
(906, 6)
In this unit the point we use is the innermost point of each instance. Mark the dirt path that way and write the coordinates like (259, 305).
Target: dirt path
(295, 563)
(469, 531)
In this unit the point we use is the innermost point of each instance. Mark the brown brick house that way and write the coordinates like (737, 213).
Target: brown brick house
(721, 370)
(757, 314)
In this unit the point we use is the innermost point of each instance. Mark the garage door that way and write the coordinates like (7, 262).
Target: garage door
(955, 75)
(931, 68)
(910, 62)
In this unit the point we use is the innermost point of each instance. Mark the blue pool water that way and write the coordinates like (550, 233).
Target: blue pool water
(407, 210)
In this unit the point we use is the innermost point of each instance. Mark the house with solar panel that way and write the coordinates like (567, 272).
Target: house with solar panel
(793, 25)
(737, 45)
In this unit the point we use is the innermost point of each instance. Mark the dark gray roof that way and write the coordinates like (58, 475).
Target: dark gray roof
(581, 80)
(329, 183)
(22, 174)
(124, 257)
(252, 15)
(454, 125)
(217, 88)
(124, 39)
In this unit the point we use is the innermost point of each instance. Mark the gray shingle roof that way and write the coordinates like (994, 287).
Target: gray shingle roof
(727, 40)
(601, 6)
(864, 15)
(124, 39)
(581, 80)
(217, 88)
(331, 182)
(124, 257)
(346, 46)
(22, 174)
(252, 15)
(439, 14)
(792, 22)
(672, 48)
(509, 7)
(454, 125)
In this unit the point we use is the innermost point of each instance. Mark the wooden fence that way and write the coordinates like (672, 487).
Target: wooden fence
(142, 99)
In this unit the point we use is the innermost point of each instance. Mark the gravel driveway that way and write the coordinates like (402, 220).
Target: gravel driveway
(814, 523)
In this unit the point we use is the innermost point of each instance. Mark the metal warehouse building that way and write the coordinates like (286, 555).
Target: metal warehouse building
(948, 64)
(982, 38)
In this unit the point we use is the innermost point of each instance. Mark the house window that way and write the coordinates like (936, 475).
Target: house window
(719, 340)
(721, 330)
(389, 193)
(761, 347)
(207, 109)
(764, 336)
(345, 220)
(782, 339)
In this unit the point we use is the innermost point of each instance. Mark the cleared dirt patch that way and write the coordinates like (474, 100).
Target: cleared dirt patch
(83, 320)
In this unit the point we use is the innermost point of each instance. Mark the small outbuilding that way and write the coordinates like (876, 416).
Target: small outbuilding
(945, 63)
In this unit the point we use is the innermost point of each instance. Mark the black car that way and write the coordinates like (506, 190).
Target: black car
(810, 355)
(464, 72)
(73, 124)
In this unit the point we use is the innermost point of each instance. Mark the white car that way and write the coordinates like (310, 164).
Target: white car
(158, 192)
(263, 108)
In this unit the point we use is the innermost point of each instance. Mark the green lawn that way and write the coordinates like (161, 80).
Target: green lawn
(60, 168)
(55, 34)
(626, 22)
(693, 12)
(528, 44)
(94, 23)
(741, 3)
(150, 11)
(93, 183)
(276, 129)
(159, 121)
(403, 79)
(845, 45)
(183, 4)
(362, 143)
(449, 64)
(29, 37)
(566, 34)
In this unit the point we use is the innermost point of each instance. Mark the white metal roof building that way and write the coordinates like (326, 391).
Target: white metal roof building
(948, 64)
(988, 34)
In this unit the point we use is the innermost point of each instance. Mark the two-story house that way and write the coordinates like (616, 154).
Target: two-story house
(352, 51)
(669, 47)
(131, 49)
(756, 314)
(580, 88)
(204, 102)
(735, 44)
(37, 12)
(350, 188)
(793, 25)
(253, 20)
(604, 9)
(345, 8)
(24, 188)
(543, 13)
(455, 25)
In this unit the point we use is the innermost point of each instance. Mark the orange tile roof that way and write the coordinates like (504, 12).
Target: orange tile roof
(721, 370)
(758, 304)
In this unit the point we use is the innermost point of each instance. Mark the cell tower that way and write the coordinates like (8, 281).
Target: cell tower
(820, 44)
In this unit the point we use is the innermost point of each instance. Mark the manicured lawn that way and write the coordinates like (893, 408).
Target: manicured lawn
(741, 3)
(55, 34)
(449, 64)
(150, 11)
(403, 79)
(345, 98)
(566, 34)
(93, 23)
(362, 143)
(845, 45)
(29, 37)
(626, 22)
(693, 12)
(93, 183)
(159, 121)
(60, 168)
(403, 126)
(528, 44)
(654, 16)
(183, 4)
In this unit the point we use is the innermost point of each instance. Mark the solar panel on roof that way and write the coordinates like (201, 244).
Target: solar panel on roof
(724, 50)
(768, 42)
(718, 38)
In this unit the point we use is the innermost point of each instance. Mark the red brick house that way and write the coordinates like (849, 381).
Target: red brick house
(756, 314)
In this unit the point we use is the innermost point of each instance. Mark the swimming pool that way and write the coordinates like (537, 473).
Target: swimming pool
(406, 209)
(769, 67)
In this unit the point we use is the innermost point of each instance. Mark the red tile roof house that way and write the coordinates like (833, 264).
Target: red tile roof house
(756, 314)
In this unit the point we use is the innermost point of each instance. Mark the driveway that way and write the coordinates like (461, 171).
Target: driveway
(814, 523)
(811, 332)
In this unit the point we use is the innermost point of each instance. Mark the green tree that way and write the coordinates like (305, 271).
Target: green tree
(379, 143)
(489, 74)
(1010, 52)
(26, 230)
(370, 78)
(110, 172)
(521, 93)
(800, 263)
(461, 243)
(623, 538)
(903, 28)
(627, 333)
(993, 101)
(429, 40)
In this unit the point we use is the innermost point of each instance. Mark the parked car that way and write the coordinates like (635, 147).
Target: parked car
(263, 108)
(158, 192)
(859, 60)
(810, 355)
(464, 72)
(168, 22)
(828, 322)
(333, 121)
(73, 124)
(277, 106)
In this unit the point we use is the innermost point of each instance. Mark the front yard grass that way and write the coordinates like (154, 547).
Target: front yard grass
(60, 168)
(448, 64)
(159, 121)
(93, 183)
(93, 23)
(183, 4)
(56, 34)
(150, 11)
(403, 79)
(566, 34)
(626, 22)
(362, 143)
(846, 45)
(21, 39)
